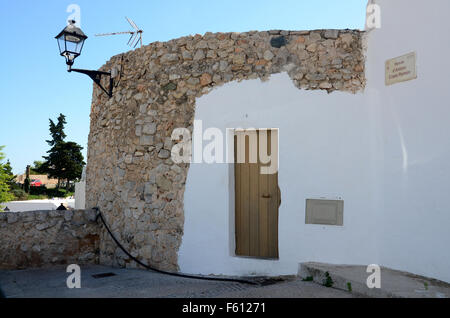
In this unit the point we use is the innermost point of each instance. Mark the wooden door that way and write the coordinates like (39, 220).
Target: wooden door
(257, 196)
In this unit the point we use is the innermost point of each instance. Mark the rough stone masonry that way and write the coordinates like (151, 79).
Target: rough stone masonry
(130, 175)
(46, 238)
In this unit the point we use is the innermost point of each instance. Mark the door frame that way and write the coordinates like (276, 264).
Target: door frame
(230, 132)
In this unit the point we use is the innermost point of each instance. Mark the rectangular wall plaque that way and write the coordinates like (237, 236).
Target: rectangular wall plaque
(325, 212)
(401, 69)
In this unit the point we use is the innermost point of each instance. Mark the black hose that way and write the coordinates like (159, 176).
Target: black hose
(242, 281)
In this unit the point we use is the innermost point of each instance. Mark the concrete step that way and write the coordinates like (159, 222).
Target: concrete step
(394, 283)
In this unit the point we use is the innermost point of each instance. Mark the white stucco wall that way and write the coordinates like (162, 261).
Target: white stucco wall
(80, 195)
(80, 191)
(414, 215)
(325, 151)
(385, 152)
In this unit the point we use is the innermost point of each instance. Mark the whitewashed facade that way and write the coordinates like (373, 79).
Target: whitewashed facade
(385, 152)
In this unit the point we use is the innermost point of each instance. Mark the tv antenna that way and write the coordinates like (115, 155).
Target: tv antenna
(136, 35)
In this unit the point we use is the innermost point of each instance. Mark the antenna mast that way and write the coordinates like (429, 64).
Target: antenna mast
(136, 35)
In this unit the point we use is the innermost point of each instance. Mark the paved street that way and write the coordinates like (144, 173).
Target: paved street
(146, 284)
(35, 205)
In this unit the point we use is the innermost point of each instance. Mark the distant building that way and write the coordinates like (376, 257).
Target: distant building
(48, 182)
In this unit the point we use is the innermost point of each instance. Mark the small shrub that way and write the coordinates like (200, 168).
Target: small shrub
(328, 282)
(19, 194)
(349, 286)
(15, 186)
(26, 185)
(308, 279)
(58, 193)
(42, 190)
(37, 197)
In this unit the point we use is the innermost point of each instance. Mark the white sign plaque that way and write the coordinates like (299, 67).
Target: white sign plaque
(401, 69)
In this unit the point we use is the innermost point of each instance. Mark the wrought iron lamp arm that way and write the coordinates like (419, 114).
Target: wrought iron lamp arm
(96, 76)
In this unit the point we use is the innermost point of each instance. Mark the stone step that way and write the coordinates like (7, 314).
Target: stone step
(394, 284)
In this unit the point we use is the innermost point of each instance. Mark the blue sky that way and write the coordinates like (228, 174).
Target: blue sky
(35, 86)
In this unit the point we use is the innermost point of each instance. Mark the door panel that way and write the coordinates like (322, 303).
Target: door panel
(256, 198)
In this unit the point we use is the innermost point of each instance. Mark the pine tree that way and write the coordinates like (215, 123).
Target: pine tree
(57, 131)
(64, 159)
(37, 167)
(8, 171)
(5, 178)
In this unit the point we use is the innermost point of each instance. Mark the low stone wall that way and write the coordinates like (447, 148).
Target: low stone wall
(45, 238)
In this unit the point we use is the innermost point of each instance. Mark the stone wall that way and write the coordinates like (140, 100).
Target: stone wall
(45, 238)
(130, 174)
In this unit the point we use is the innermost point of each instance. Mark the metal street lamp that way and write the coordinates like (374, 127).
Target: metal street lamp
(70, 42)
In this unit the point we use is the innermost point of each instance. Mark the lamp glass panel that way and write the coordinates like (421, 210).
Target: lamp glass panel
(61, 44)
(74, 44)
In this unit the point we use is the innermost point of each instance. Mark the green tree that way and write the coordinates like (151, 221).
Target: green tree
(26, 185)
(64, 160)
(5, 177)
(8, 171)
(36, 168)
(57, 131)
(73, 160)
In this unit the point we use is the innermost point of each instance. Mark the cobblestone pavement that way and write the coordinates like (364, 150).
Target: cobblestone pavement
(146, 284)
